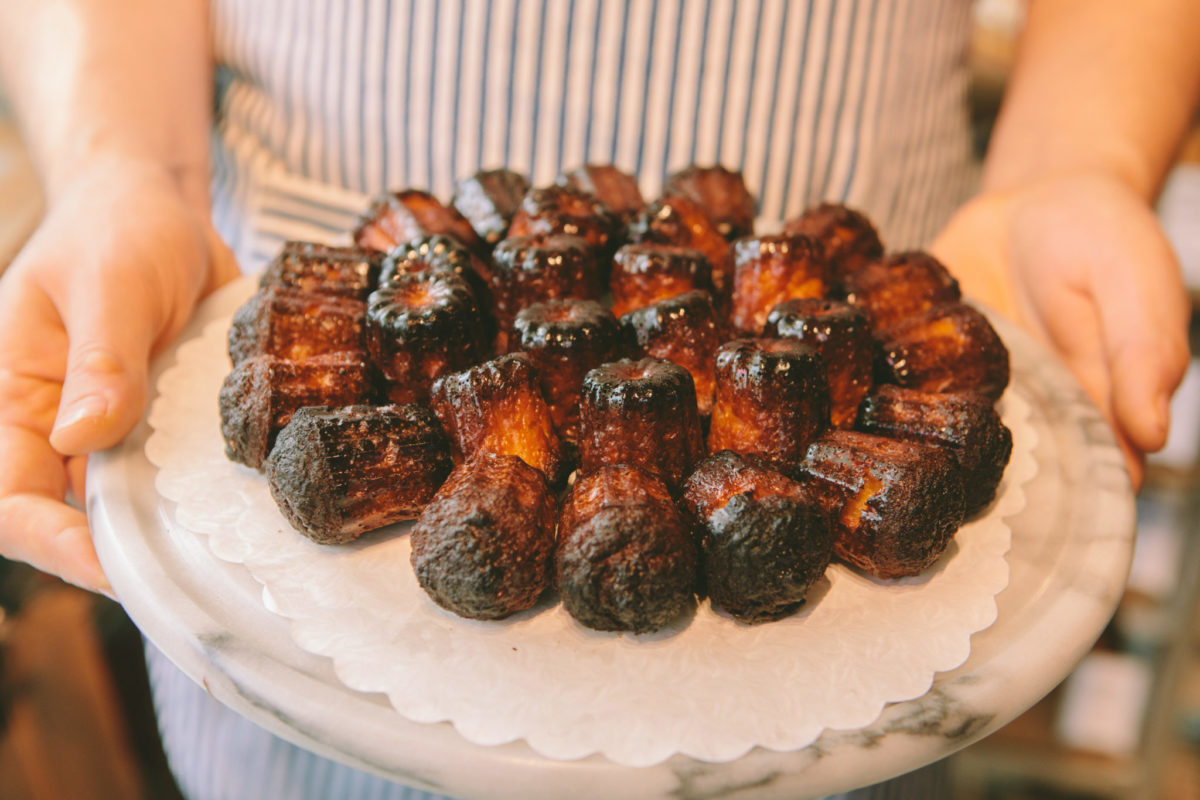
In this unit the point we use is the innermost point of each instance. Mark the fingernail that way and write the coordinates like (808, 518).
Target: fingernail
(89, 407)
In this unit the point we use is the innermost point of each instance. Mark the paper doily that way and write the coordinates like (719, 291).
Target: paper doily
(710, 688)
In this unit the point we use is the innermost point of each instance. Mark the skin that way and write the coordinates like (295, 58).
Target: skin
(1062, 236)
(113, 99)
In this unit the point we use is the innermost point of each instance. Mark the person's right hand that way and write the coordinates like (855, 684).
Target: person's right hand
(111, 275)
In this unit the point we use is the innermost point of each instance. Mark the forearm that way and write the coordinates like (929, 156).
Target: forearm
(99, 79)
(1099, 86)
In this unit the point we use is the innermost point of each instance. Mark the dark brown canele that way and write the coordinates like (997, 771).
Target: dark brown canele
(532, 269)
(901, 286)
(320, 269)
(564, 339)
(568, 211)
(262, 393)
(421, 326)
(764, 539)
(339, 472)
(848, 237)
(643, 274)
(497, 407)
(686, 330)
(768, 270)
(295, 325)
(947, 349)
(683, 222)
(484, 546)
(437, 253)
(966, 423)
(644, 413)
(894, 504)
(842, 336)
(617, 190)
(772, 399)
(488, 200)
(400, 217)
(721, 192)
(626, 559)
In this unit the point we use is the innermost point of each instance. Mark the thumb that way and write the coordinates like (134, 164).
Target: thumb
(104, 389)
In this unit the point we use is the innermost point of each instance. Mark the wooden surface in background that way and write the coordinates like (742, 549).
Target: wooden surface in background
(66, 737)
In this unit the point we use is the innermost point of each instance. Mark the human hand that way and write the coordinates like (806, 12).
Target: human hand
(110, 276)
(1081, 262)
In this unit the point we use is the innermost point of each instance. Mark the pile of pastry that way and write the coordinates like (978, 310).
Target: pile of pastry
(634, 405)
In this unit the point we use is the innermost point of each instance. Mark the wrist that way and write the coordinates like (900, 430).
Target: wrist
(112, 162)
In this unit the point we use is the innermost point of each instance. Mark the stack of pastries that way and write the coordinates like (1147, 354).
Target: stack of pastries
(633, 404)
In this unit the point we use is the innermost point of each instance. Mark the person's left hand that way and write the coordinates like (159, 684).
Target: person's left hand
(1081, 262)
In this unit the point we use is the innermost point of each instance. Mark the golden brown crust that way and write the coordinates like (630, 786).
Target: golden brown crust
(901, 286)
(294, 325)
(721, 192)
(683, 222)
(644, 273)
(842, 336)
(644, 413)
(565, 339)
(400, 217)
(965, 423)
(617, 190)
(772, 399)
(260, 395)
(768, 270)
(488, 200)
(497, 407)
(322, 269)
(687, 330)
(947, 349)
(848, 238)
(536, 268)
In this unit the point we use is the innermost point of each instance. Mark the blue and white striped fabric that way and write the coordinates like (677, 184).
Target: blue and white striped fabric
(322, 104)
(325, 103)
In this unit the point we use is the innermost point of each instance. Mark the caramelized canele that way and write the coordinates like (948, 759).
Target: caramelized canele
(765, 540)
(894, 504)
(768, 270)
(644, 413)
(400, 217)
(339, 472)
(625, 559)
(849, 239)
(497, 407)
(842, 336)
(262, 393)
(421, 326)
(484, 545)
(721, 192)
(772, 399)
(565, 339)
(687, 330)
(643, 274)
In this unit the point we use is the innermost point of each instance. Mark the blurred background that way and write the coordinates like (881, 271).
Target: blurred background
(76, 719)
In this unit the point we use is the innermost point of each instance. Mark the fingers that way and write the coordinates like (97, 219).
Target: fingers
(1143, 310)
(104, 388)
(35, 525)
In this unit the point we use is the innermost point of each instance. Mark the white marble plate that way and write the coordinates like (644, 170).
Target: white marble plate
(1070, 552)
